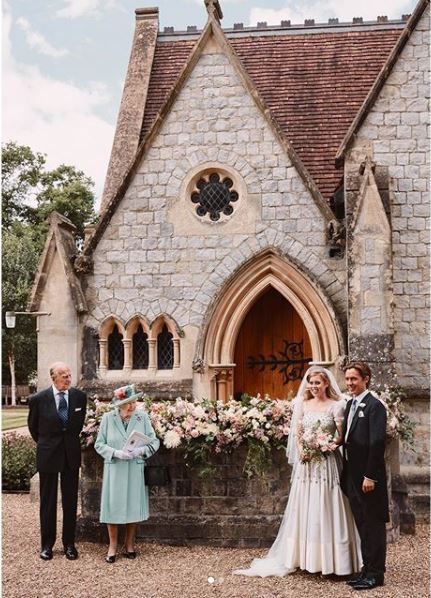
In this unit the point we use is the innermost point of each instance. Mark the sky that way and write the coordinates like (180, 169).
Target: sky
(64, 63)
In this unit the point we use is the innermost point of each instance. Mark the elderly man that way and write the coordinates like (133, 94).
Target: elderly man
(55, 421)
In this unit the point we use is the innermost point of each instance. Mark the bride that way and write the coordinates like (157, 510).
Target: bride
(317, 533)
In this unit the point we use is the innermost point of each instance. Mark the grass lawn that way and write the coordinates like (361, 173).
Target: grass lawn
(13, 418)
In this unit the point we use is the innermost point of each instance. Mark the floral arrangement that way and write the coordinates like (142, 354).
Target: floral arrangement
(203, 427)
(95, 411)
(399, 425)
(315, 443)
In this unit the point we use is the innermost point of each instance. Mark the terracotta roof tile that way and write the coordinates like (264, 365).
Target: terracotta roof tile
(313, 84)
(169, 60)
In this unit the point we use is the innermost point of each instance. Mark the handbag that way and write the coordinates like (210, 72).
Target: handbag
(155, 473)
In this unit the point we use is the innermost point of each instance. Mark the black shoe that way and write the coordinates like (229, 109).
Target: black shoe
(357, 578)
(71, 552)
(110, 559)
(368, 583)
(46, 554)
(130, 555)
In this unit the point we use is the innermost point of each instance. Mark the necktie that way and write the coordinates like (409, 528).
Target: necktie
(62, 408)
(352, 412)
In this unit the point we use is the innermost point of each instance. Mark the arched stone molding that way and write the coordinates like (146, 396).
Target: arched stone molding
(133, 324)
(158, 323)
(302, 257)
(211, 156)
(106, 329)
(155, 329)
(223, 320)
(246, 210)
(131, 327)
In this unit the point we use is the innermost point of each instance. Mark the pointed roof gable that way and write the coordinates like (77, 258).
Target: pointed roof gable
(212, 28)
(369, 214)
(313, 80)
(381, 79)
(60, 239)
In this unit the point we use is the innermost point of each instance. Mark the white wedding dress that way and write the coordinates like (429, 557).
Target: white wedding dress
(317, 533)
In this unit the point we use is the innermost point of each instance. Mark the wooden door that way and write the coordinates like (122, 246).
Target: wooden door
(272, 349)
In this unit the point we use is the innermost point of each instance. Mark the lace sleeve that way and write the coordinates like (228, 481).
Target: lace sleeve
(338, 411)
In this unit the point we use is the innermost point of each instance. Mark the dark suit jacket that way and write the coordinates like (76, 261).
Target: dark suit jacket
(56, 445)
(364, 453)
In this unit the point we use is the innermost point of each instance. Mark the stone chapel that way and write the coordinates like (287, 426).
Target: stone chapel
(266, 205)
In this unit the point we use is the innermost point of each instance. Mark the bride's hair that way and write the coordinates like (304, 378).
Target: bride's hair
(330, 391)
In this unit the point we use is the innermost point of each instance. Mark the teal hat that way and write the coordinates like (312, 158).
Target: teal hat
(124, 395)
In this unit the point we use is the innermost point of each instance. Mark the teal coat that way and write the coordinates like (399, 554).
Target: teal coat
(124, 494)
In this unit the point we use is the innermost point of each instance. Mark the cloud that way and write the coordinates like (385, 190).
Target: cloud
(55, 117)
(74, 9)
(322, 10)
(38, 42)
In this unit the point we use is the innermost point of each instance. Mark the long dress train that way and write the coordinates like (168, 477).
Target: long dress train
(317, 533)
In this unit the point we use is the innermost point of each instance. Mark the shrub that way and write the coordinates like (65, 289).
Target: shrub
(19, 461)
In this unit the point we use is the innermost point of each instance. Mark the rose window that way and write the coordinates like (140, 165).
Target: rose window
(214, 196)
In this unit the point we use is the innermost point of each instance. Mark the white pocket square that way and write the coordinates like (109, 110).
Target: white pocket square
(361, 414)
(78, 408)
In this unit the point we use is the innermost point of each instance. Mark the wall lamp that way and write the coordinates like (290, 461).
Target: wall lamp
(10, 316)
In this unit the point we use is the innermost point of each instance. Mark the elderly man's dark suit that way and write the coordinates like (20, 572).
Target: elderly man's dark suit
(364, 456)
(58, 451)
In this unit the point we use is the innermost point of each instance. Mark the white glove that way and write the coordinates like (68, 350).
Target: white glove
(138, 452)
(123, 455)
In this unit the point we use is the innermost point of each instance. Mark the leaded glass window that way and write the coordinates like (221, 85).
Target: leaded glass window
(165, 350)
(140, 350)
(214, 196)
(115, 350)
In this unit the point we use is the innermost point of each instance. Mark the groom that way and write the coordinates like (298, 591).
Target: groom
(364, 474)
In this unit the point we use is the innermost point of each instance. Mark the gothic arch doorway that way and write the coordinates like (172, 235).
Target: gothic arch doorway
(216, 349)
(272, 349)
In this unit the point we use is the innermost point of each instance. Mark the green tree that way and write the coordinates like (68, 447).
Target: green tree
(20, 257)
(30, 194)
(21, 172)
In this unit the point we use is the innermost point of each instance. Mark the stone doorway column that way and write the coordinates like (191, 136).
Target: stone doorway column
(222, 381)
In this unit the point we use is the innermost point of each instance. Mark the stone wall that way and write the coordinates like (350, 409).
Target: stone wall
(157, 256)
(395, 135)
(227, 510)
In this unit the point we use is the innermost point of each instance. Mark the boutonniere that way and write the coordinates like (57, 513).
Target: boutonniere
(361, 404)
(361, 414)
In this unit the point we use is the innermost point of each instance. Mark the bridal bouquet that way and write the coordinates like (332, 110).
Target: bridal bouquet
(315, 443)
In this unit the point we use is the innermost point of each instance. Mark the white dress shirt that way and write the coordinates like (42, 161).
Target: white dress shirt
(57, 396)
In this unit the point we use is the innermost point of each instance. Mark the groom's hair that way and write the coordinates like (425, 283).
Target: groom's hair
(362, 367)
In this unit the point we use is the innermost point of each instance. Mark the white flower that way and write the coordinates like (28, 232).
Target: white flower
(172, 439)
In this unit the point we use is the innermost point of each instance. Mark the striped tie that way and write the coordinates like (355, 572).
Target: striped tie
(352, 412)
(62, 409)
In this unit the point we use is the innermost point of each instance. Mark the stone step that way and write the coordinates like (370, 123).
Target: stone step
(421, 506)
(417, 479)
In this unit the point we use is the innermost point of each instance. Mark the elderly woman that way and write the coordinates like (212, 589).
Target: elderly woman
(124, 494)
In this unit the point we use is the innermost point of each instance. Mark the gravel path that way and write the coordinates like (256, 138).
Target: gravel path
(176, 572)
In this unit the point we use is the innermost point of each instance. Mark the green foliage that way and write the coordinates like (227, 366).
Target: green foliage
(198, 456)
(21, 172)
(258, 460)
(20, 257)
(30, 194)
(19, 461)
(69, 192)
